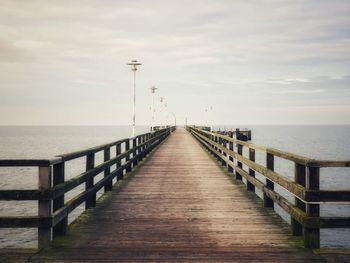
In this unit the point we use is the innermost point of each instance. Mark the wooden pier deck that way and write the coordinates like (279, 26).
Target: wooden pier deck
(178, 206)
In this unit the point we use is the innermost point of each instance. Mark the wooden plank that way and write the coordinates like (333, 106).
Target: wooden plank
(22, 195)
(25, 222)
(28, 162)
(329, 163)
(327, 196)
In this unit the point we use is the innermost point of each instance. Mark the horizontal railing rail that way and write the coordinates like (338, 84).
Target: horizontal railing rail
(305, 211)
(53, 210)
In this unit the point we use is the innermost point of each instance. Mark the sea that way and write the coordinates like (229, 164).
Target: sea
(44, 142)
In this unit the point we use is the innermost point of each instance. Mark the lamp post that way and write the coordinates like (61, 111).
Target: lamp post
(210, 118)
(166, 114)
(153, 91)
(162, 111)
(134, 64)
(206, 117)
(174, 117)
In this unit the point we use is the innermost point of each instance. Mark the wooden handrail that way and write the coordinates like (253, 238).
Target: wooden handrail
(306, 219)
(53, 186)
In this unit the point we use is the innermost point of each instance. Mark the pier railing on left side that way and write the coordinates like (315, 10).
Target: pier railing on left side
(53, 210)
(305, 215)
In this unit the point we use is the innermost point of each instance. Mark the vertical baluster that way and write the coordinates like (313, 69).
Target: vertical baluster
(58, 178)
(134, 144)
(147, 147)
(118, 150)
(239, 164)
(217, 153)
(107, 157)
(45, 206)
(224, 144)
(250, 186)
(127, 157)
(270, 164)
(312, 235)
(90, 164)
(140, 150)
(299, 178)
(231, 165)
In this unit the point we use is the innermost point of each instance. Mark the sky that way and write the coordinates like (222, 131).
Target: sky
(246, 62)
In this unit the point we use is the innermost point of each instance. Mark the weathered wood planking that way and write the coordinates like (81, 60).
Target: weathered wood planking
(179, 206)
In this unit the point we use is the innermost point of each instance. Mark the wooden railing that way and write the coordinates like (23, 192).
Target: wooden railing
(53, 211)
(305, 211)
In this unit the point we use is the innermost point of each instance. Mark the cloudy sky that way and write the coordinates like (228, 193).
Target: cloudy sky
(254, 62)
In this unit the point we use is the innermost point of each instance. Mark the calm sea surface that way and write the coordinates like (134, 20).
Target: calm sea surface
(319, 142)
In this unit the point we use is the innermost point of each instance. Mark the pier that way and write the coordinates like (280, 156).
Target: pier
(179, 196)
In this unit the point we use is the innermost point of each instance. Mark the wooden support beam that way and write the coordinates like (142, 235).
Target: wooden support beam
(58, 178)
(270, 164)
(230, 167)
(299, 178)
(250, 186)
(107, 157)
(239, 164)
(120, 175)
(90, 164)
(312, 235)
(45, 206)
(134, 152)
(127, 158)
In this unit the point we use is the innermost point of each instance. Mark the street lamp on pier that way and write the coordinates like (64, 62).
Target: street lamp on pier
(134, 64)
(153, 91)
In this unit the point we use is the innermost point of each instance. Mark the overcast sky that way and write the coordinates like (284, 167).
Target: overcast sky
(254, 62)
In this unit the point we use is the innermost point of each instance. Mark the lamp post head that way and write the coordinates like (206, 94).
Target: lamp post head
(134, 64)
(153, 89)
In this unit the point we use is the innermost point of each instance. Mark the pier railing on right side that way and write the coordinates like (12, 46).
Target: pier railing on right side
(305, 211)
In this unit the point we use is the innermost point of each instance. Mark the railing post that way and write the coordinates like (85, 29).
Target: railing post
(312, 235)
(230, 166)
(223, 154)
(250, 186)
(127, 157)
(118, 151)
(299, 178)
(213, 147)
(90, 164)
(140, 150)
(58, 178)
(239, 164)
(217, 149)
(134, 152)
(45, 206)
(148, 144)
(107, 157)
(270, 164)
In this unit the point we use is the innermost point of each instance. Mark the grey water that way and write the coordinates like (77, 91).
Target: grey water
(19, 142)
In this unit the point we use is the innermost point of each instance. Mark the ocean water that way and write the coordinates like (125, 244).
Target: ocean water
(319, 142)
